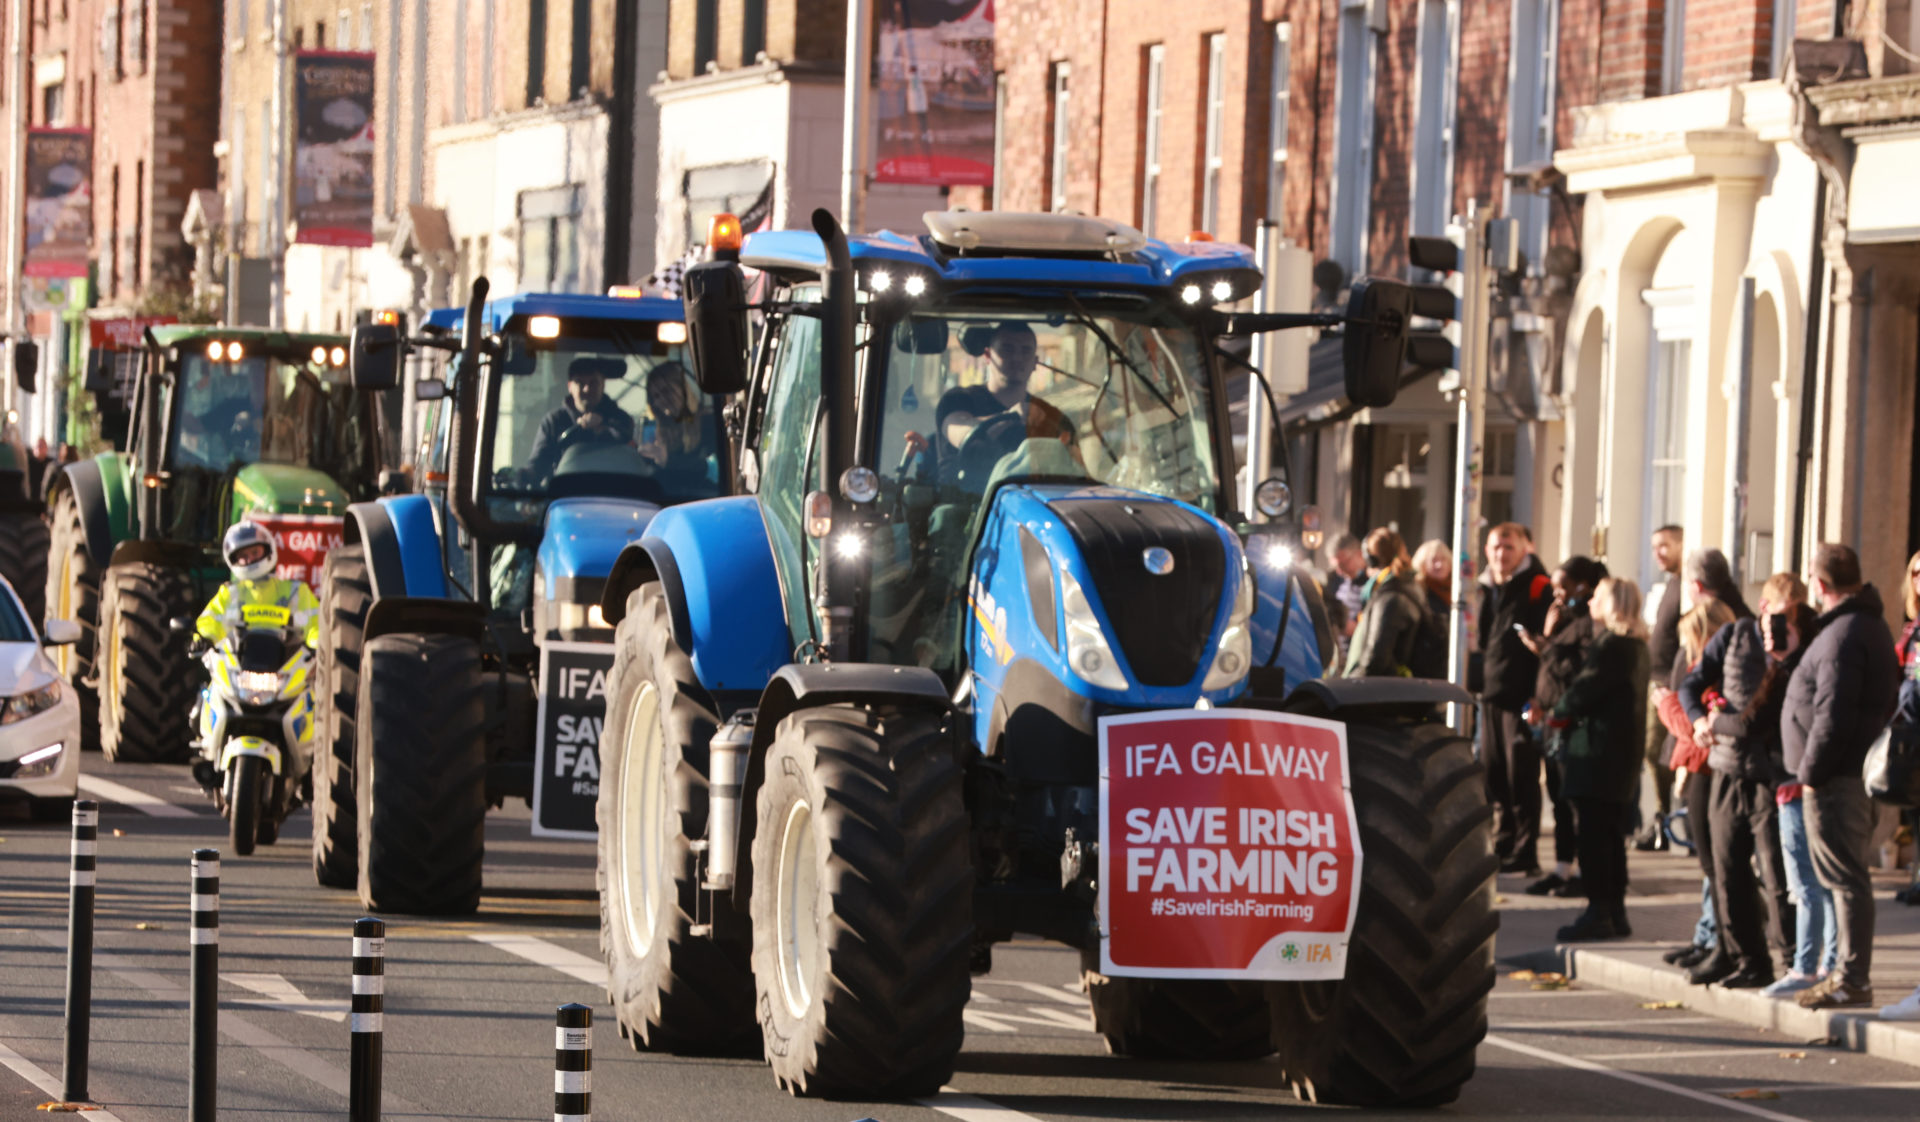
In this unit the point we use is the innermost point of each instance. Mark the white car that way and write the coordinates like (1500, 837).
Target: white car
(39, 713)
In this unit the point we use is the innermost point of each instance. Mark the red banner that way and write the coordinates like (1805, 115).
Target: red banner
(124, 334)
(59, 202)
(1228, 846)
(935, 91)
(303, 541)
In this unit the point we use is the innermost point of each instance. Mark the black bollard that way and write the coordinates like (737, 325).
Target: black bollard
(369, 989)
(204, 1002)
(573, 1064)
(86, 833)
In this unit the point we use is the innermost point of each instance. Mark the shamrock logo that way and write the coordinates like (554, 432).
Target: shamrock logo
(1290, 952)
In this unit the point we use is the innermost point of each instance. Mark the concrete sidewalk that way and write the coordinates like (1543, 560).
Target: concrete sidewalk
(1662, 905)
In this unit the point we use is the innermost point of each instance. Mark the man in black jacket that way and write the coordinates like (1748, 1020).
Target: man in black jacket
(1663, 611)
(1513, 599)
(587, 416)
(1838, 700)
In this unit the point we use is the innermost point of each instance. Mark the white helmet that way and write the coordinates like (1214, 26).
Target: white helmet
(241, 540)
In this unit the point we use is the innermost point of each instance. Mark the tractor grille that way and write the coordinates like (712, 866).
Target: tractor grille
(1163, 623)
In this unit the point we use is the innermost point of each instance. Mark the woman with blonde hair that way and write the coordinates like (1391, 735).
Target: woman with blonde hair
(1604, 714)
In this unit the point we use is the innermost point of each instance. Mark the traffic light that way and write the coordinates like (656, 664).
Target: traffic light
(1435, 345)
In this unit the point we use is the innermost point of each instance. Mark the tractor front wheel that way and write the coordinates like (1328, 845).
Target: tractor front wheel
(862, 903)
(1402, 1027)
(72, 592)
(145, 675)
(1178, 1019)
(23, 561)
(346, 594)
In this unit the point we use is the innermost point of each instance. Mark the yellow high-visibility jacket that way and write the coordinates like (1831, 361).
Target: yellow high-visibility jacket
(227, 609)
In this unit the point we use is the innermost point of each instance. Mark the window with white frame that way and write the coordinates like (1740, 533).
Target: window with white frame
(1673, 46)
(1785, 14)
(1435, 82)
(343, 33)
(999, 138)
(1669, 359)
(1353, 125)
(366, 27)
(1150, 140)
(1062, 133)
(1280, 90)
(1530, 108)
(1216, 127)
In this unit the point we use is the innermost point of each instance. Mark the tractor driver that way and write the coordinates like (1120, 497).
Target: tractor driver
(1012, 355)
(587, 416)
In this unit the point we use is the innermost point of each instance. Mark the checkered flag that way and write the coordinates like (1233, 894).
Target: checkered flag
(666, 282)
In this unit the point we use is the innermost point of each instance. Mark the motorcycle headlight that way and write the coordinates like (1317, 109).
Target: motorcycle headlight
(1235, 655)
(1087, 649)
(32, 703)
(258, 687)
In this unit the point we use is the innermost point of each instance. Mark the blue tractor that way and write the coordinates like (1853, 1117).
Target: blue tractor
(463, 655)
(984, 501)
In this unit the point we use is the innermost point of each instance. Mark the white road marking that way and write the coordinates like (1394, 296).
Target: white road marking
(139, 800)
(1624, 1022)
(1697, 1053)
(1820, 1088)
(1075, 999)
(571, 963)
(1637, 1079)
(968, 1108)
(282, 994)
(49, 1086)
(1040, 1016)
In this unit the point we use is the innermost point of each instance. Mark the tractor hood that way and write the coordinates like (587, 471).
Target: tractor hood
(582, 539)
(286, 489)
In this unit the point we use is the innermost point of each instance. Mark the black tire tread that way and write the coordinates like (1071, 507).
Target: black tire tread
(1403, 1027)
(898, 933)
(1179, 1019)
(243, 816)
(69, 541)
(420, 772)
(697, 994)
(24, 542)
(151, 722)
(346, 594)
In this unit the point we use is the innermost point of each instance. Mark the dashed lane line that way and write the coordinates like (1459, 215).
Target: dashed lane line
(1696, 1053)
(1074, 998)
(34, 1074)
(571, 963)
(1622, 1022)
(1582, 1064)
(968, 1108)
(150, 805)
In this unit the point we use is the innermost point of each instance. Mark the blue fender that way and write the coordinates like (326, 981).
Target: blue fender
(402, 544)
(582, 540)
(714, 563)
(1284, 634)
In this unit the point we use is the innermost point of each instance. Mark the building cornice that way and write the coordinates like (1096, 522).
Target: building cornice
(1869, 101)
(1658, 161)
(519, 119)
(766, 72)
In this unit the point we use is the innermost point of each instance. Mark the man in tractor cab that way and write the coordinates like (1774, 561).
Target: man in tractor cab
(587, 415)
(1012, 353)
(251, 556)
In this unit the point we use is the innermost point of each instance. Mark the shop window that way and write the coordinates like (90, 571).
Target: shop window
(1352, 189)
(1280, 87)
(1150, 142)
(550, 240)
(1216, 113)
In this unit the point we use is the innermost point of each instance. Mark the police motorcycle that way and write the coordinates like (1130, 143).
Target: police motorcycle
(254, 716)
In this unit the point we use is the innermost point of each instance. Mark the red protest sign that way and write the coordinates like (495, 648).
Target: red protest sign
(1228, 846)
(303, 541)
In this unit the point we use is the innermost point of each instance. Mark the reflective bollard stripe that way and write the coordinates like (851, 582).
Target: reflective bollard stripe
(80, 884)
(573, 1064)
(203, 1002)
(369, 987)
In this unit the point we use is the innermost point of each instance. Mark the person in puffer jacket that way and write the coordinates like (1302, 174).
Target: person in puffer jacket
(1741, 728)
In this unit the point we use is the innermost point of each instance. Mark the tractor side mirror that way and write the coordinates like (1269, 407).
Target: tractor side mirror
(375, 359)
(922, 335)
(1376, 341)
(61, 633)
(26, 364)
(394, 481)
(715, 295)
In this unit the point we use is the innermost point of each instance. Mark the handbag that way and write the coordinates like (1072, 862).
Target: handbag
(1892, 770)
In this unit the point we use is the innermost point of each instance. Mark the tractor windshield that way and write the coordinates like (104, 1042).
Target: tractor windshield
(1111, 393)
(612, 413)
(264, 409)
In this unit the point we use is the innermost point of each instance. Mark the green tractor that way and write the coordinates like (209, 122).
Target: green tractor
(227, 423)
(23, 530)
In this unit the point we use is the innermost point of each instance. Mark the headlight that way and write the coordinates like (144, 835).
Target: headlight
(39, 762)
(1269, 551)
(1235, 656)
(21, 706)
(258, 687)
(1087, 649)
(579, 617)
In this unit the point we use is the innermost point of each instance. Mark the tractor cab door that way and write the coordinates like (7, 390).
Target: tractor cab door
(788, 464)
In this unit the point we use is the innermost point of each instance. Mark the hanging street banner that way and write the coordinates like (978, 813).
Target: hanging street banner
(934, 97)
(333, 148)
(59, 202)
(573, 706)
(1228, 846)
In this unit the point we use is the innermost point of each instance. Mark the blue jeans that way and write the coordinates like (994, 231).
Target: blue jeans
(1817, 934)
(1706, 932)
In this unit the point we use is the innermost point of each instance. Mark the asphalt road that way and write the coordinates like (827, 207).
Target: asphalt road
(470, 1009)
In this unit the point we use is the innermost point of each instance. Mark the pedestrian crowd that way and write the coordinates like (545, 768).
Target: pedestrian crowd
(1753, 726)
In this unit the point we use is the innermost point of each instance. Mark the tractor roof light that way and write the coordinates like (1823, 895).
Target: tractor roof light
(1222, 291)
(234, 351)
(544, 327)
(915, 285)
(216, 350)
(338, 356)
(879, 280)
(625, 292)
(723, 233)
(671, 332)
(387, 316)
(319, 356)
(1190, 294)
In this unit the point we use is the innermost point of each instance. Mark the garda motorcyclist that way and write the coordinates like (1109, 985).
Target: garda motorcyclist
(251, 556)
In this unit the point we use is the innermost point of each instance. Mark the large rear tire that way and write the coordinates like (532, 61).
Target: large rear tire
(672, 990)
(243, 807)
(1401, 1029)
(346, 594)
(862, 903)
(1176, 1019)
(73, 592)
(420, 774)
(146, 686)
(23, 561)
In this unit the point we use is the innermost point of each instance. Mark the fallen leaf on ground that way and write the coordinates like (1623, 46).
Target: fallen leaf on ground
(1751, 1093)
(119, 833)
(1662, 1005)
(1523, 975)
(1561, 984)
(1499, 899)
(1793, 1055)
(148, 927)
(65, 1108)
